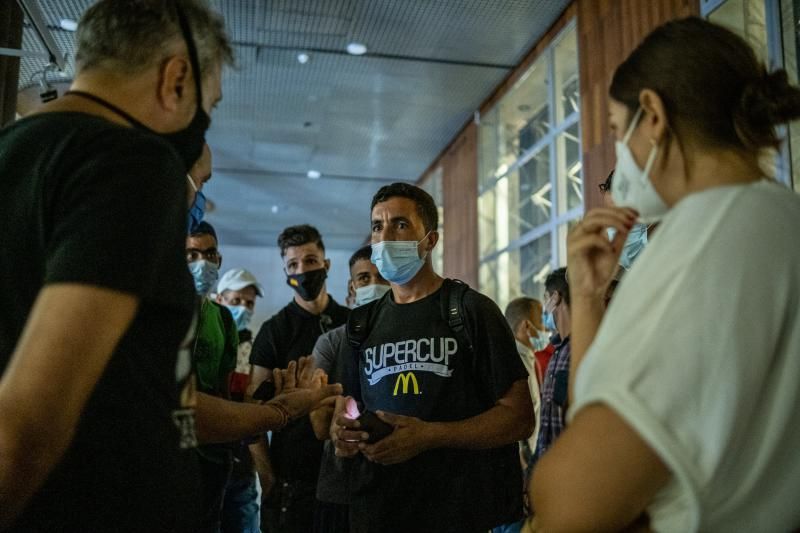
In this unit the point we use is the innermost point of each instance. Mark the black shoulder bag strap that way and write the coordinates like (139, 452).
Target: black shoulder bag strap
(452, 300)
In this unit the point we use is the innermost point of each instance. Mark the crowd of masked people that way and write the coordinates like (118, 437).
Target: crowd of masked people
(653, 386)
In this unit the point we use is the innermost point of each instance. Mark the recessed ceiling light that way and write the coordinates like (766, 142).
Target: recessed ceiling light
(356, 49)
(303, 58)
(314, 174)
(274, 209)
(68, 24)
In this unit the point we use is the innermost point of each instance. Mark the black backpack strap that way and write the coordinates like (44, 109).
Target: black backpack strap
(453, 313)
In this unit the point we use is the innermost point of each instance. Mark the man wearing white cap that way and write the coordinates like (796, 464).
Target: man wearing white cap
(237, 289)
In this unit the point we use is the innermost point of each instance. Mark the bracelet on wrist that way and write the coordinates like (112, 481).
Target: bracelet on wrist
(283, 413)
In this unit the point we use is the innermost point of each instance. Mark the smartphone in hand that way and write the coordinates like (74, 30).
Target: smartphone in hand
(374, 426)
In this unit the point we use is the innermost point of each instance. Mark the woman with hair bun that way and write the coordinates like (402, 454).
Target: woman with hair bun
(685, 407)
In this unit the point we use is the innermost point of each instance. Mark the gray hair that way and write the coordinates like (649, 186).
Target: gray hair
(133, 35)
(520, 310)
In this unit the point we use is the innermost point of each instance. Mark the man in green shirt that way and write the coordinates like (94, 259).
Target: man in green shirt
(214, 358)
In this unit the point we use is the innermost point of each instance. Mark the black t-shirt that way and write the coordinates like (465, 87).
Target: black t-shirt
(86, 201)
(289, 335)
(412, 364)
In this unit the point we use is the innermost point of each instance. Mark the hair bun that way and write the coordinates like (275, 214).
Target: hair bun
(766, 101)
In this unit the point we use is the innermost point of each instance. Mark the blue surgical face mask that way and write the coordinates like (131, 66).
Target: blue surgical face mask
(241, 315)
(370, 293)
(198, 208)
(398, 261)
(634, 244)
(539, 342)
(548, 321)
(205, 275)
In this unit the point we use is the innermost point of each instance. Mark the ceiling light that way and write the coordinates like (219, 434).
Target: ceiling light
(314, 174)
(68, 24)
(274, 209)
(303, 58)
(356, 49)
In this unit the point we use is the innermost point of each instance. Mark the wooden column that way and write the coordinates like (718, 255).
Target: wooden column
(608, 30)
(460, 187)
(10, 37)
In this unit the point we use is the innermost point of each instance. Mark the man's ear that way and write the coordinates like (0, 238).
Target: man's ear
(327, 265)
(219, 265)
(173, 79)
(433, 239)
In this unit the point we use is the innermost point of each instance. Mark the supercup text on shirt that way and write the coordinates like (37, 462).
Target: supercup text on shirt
(425, 355)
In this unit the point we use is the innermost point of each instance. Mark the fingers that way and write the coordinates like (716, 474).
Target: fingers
(346, 422)
(277, 378)
(592, 242)
(290, 376)
(345, 449)
(390, 418)
(319, 379)
(325, 392)
(305, 371)
(598, 220)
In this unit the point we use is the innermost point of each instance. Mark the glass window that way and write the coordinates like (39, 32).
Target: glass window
(748, 19)
(790, 19)
(771, 28)
(531, 179)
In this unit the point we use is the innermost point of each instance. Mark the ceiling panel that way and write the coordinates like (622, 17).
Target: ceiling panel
(361, 121)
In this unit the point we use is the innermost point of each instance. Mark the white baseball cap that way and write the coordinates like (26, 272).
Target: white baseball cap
(237, 279)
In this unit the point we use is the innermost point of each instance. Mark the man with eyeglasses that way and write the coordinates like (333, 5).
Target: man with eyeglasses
(295, 452)
(214, 353)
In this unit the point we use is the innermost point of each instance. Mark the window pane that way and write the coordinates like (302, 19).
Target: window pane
(532, 196)
(486, 223)
(563, 231)
(535, 259)
(566, 76)
(748, 19)
(569, 170)
(488, 148)
(524, 113)
(790, 13)
(488, 279)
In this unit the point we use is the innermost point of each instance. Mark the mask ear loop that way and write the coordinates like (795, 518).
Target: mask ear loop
(191, 182)
(632, 126)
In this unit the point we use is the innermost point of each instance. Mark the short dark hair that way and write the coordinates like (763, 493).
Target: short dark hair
(718, 93)
(130, 36)
(426, 207)
(362, 254)
(204, 228)
(520, 309)
(298, 236)
(556, 281)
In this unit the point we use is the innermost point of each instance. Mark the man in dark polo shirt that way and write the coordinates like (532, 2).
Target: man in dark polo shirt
(294, 453)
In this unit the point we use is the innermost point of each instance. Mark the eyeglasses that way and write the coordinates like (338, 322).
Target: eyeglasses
(195, 254)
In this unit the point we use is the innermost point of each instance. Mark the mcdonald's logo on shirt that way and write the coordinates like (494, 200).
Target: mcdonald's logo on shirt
(405, 378)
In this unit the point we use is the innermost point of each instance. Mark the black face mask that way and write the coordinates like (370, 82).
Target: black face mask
(308, 285)
(189, 141)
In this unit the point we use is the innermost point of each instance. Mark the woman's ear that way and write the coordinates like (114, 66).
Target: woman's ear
(654, 122)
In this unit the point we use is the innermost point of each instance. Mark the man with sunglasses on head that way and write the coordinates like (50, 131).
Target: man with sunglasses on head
(294, 453)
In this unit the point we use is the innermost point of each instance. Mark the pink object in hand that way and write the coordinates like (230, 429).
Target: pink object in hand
(351, 409)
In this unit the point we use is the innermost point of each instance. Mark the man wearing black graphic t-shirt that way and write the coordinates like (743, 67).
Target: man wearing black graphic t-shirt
(457, 411)
(294, 453)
